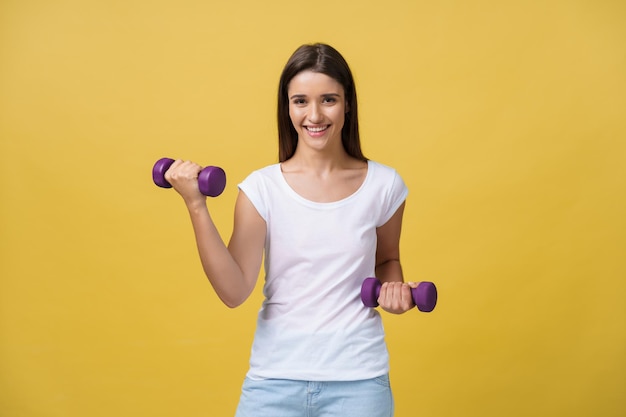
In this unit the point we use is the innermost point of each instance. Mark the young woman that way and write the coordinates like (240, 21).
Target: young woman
(325, 218)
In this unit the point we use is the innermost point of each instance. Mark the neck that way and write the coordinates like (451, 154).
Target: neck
(320, 162)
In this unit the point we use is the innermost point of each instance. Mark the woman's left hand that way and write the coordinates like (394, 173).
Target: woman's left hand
(395, 297)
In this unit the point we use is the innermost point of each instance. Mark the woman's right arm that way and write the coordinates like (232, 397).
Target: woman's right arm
(233, 269)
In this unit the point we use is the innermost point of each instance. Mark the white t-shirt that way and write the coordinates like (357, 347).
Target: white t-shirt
(312, 324)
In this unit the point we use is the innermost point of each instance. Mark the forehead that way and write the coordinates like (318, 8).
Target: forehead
(311, 83)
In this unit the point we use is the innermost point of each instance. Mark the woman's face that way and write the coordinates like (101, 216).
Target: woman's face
(317, 108)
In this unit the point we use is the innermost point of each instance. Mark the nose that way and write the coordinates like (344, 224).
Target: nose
(315, 113)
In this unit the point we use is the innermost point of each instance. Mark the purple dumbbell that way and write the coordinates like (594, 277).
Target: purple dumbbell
(424, 295)
(211, 180)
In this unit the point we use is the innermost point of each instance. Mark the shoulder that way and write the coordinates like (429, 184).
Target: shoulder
(383, 173)
(266, 171)
(388, 181)
(263, 174)
(257, 187)
(378, 166)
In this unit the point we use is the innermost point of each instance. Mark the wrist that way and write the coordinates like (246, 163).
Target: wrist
(196, 205)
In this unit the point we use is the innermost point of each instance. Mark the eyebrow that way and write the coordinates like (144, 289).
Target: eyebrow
(323, 95)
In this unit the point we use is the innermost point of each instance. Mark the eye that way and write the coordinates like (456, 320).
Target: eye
(329, 100)
(298, 101)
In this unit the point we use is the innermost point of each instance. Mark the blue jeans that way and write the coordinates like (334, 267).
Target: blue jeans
(287, 398)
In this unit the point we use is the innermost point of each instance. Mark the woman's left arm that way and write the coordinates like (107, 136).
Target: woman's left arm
(395, 294)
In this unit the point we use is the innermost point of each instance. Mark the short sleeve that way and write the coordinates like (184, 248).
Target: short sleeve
(395, 194)
(254, 188)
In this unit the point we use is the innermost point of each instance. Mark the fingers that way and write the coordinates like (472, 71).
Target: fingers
(395, 297)
(183, 175)
(182, 170)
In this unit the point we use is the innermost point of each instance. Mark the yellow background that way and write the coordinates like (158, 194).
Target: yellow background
(507, 120)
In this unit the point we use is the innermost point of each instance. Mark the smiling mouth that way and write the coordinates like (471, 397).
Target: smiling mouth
(316, 129)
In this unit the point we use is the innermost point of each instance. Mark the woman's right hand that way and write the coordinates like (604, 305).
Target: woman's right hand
(183, 175)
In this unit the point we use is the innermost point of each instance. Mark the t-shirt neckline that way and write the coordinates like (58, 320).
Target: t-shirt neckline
(329, 204)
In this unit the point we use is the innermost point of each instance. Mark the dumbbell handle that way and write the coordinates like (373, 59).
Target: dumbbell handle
(424, 295)
(211, 180)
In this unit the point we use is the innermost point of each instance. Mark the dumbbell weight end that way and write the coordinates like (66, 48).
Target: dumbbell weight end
(158, 172)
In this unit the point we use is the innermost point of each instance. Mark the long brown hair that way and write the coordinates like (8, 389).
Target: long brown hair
(324, 59)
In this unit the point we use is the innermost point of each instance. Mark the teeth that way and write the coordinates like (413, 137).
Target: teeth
(316, 129)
